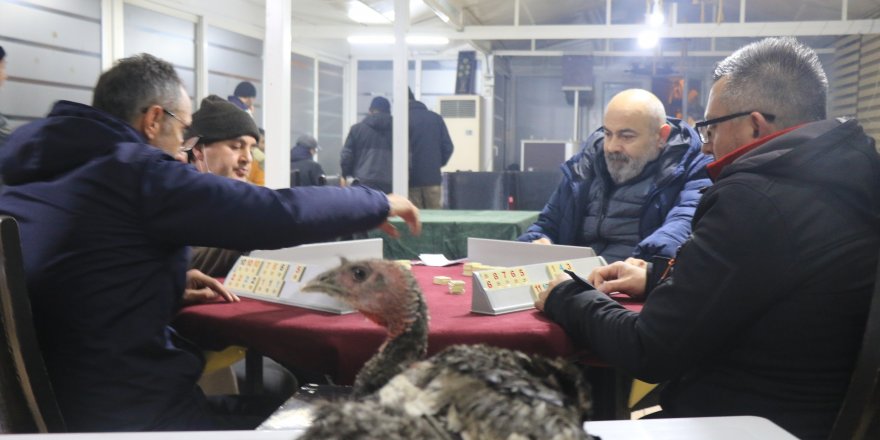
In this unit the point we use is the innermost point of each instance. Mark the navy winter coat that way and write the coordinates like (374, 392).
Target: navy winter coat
(430, 146)
(105, 223)
(665, 220)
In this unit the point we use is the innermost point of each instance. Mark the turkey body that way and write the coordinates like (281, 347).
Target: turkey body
(463, 392)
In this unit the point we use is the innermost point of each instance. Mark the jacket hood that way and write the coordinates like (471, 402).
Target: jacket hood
(69, 136)
(827, 153)
(300, 152)
(379, 121)
(682, 148)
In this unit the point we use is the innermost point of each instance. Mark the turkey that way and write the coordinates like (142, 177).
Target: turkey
(463, 392)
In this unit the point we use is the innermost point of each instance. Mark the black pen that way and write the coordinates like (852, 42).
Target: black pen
(578, 280)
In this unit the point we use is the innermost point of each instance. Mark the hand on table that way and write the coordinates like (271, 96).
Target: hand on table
(621, 276)
(542, 240)
(542, 297)
(202, 288)
(403, 208)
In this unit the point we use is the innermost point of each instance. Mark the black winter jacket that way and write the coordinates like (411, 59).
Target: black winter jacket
(310, 172)
(430, 146)
(367, 154)
(766, 307)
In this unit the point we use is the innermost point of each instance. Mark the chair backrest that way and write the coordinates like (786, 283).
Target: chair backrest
(859, 416)
(532, 189)
(476, 190)
(27, 402)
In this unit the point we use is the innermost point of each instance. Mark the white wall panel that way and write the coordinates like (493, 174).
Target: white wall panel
(39, 26)
(31, 101)
(43, 64)
(85, 8)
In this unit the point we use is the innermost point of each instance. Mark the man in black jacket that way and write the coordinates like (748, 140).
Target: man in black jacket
(765, 309)
(302, 162)
(430, 147)
(366, 155)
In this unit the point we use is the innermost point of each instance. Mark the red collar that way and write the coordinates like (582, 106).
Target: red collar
(716, 167)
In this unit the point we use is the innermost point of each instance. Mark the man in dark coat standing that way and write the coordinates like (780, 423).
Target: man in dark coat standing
(764, 309)
(430, 147)
(366, 155)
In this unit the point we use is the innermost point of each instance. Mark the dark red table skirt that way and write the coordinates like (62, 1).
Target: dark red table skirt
(338, 345)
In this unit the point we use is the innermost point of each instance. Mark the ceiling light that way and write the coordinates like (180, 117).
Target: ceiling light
(426, 40)
(362, 13)
(371, 39)
(648, 40)
(655, 17)
(414, 40)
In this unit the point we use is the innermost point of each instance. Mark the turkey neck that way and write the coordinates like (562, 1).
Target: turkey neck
(397, 352)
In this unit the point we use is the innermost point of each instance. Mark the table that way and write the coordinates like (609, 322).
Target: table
(338, 345)
(715, 428)
(446, 232)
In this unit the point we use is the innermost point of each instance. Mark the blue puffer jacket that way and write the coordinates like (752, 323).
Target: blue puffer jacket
(665, 220)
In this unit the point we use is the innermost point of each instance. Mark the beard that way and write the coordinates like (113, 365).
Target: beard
(623, 168)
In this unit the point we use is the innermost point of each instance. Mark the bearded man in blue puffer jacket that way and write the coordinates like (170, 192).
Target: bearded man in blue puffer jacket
(633, 188)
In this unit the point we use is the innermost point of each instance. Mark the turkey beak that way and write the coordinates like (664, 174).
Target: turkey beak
(324, 283)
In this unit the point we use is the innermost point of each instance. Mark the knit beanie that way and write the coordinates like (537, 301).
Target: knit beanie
(219, 120)
(381, 104)
(307, 141)
(245, 89)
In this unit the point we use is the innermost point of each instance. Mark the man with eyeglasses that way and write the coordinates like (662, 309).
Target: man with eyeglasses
(764, 309)
(107, 214)
(632, 190)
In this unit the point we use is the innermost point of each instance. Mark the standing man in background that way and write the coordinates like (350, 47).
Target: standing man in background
(430, 148)
(244, 96)
(366, 155)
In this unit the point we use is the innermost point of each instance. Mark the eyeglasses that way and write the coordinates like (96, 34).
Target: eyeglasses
(189, 143)
(703, 126)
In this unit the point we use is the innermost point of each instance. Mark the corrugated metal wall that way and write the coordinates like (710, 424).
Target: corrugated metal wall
(855, 83)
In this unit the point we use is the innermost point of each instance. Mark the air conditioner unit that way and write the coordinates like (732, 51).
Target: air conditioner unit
(463, 117)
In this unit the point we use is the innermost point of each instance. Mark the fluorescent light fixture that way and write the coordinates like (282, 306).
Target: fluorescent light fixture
(362, 13)
(426, 40)
(371, 39)
(413, 40)
(648, 39)
(655, 18)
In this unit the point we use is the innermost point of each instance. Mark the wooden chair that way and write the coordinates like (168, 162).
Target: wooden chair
(27, 402)
(859, 416)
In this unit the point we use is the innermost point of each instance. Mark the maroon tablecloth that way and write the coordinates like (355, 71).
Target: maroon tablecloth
(338, 345)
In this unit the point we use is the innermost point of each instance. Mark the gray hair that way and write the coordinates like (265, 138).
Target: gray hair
(775, 75)
(136, 83)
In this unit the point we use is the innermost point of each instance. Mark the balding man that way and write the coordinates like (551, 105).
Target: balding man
(633, 188)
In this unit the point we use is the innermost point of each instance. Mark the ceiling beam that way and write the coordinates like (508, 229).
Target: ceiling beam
(615, 31)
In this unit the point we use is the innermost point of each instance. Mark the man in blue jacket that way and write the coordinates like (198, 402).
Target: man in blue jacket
(632, 190)
(107, 214)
